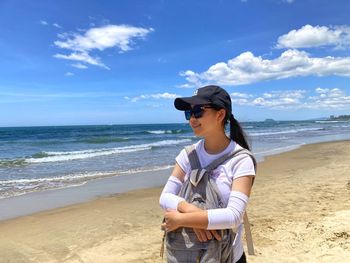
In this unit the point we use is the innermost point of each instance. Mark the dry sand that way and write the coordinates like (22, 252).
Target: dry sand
(299, 211)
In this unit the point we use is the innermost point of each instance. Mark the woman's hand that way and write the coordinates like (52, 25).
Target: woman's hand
(172, 220)
(204, 235)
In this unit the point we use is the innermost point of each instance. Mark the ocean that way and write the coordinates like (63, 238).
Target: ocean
(34, 159)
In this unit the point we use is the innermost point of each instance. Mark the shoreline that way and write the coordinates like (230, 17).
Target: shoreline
(102, 187)
(47, 200)
(288, 210)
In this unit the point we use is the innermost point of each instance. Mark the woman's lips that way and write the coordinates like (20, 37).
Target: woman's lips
(195, 126)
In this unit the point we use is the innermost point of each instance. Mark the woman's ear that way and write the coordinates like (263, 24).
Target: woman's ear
(221, 114)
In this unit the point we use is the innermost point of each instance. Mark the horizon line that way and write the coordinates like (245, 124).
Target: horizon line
(162, 123)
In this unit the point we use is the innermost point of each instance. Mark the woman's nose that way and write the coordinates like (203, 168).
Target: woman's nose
(193, 119)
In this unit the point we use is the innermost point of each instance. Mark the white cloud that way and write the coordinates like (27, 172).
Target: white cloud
(56, 25)
(192, 77)
(186, 85)
(242, 102)
(69, 74)
(295, 94)
(322, 99)
(104, 37)
(45, 23)
(241, 95)
(247, 68)
(274, 99)
(164, 95)
(329, 99)
(320, 90)
(316, 36)
(319, 98)
(82, 57)
(79, 65)
(280, 99)
(99, 38)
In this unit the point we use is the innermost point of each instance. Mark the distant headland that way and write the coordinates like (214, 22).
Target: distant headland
(339, 118)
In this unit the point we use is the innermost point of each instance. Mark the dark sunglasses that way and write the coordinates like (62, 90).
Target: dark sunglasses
(197, 111)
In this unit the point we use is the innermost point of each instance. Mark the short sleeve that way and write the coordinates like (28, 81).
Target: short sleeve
(183, 162)
(243, 165)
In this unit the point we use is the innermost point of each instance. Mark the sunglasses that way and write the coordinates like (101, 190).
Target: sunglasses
(197, 111)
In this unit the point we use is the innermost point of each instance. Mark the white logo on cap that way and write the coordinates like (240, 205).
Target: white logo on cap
(196, 91)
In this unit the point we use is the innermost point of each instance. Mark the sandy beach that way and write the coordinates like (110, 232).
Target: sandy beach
(299, 211)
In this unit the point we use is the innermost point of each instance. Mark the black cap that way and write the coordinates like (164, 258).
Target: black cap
(213, 95)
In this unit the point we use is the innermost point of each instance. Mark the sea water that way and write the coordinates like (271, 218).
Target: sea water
(40, 158)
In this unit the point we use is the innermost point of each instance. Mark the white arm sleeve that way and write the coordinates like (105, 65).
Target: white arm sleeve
(169, 198)
(231, 216)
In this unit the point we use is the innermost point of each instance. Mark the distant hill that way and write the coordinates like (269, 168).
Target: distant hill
(340, 118)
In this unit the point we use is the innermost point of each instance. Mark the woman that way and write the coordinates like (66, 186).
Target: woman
(208, 111)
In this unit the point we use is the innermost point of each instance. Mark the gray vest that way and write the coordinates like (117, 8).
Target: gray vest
(200, 189)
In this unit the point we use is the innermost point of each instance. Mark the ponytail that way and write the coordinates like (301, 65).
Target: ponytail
(237, 134)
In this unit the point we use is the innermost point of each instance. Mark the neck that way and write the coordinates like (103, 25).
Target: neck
(216, 143)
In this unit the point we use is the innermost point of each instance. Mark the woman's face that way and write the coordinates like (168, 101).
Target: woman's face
(210, 122)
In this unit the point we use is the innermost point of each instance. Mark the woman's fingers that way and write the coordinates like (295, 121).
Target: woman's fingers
(216, 234)
(201, 235)
(205, 235)
(208, 234)
(198, 234)
(171, 220)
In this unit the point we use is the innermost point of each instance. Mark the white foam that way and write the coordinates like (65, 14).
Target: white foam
(84, 154)
(68, 156)
(139, 170)
(31, 189)
(284, 132)
(158, 132)
(16, 187)
(80, 176)
(72, 177)
(329, 121)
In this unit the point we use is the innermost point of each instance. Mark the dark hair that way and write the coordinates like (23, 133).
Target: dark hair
(236, 132)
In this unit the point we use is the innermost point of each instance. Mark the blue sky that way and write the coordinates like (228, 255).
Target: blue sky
(121, 62)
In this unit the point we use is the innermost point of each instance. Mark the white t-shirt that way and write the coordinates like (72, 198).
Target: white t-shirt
(224, 174)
